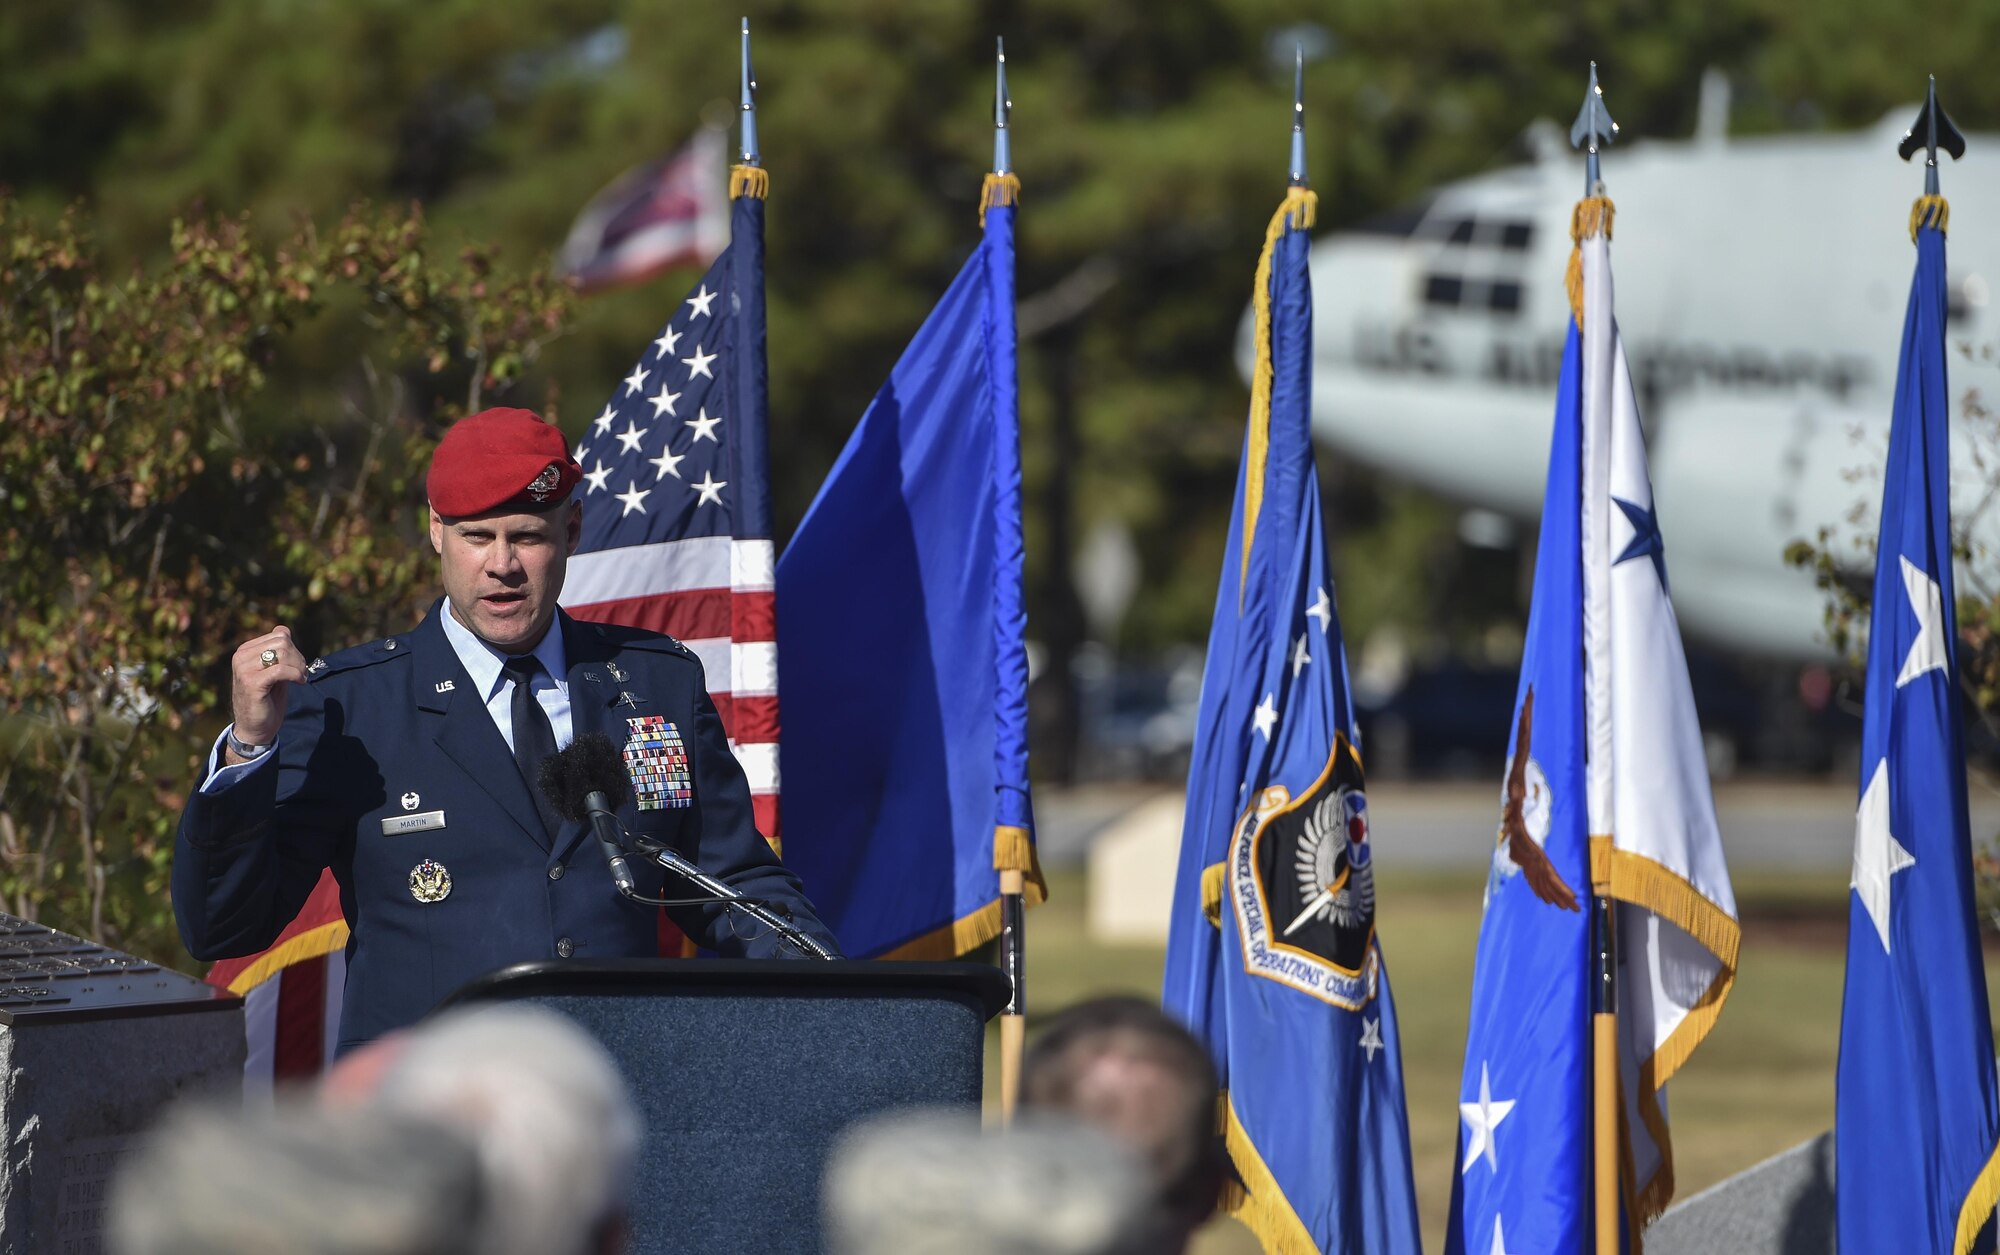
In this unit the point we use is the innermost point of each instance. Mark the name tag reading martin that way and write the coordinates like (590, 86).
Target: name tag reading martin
(397, 825)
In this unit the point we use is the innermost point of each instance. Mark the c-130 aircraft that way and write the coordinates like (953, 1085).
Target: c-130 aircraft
(1761, 288)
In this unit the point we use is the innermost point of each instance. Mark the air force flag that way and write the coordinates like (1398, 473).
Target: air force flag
(1606, 780)
(1916, 1121)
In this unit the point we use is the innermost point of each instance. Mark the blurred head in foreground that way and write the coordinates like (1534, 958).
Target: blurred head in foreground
(932, 1183)
(1125, 1067)
(545, 1106)
(297, 1181)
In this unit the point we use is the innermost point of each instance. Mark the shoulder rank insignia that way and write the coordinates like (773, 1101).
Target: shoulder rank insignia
(430, 882)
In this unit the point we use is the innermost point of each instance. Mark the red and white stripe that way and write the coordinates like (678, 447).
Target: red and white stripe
(717, 596)
(291, 994)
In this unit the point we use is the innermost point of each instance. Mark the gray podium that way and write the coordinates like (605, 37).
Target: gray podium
(92, 1044)
(747, 1071)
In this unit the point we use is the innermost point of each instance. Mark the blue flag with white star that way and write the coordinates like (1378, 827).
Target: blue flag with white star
(900, 620)
(1521, 1179)
(1606, 794)
(1916, 1122)
(1272, 957)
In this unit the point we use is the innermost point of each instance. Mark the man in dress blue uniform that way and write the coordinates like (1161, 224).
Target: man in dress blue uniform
(409, 766)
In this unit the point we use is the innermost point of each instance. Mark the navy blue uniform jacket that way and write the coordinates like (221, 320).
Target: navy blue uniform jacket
(399, 717)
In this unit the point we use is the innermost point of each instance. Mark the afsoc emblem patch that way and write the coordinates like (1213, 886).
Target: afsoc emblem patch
(1302, 885)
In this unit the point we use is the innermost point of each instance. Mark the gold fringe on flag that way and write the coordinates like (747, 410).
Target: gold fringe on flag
(1979, 1203)
(1591, 215)
(1299, 211)
(1012, 851)
(1929, 211)
(1212, 878)
(751, 181)
(998, 189)
(1254, 1197)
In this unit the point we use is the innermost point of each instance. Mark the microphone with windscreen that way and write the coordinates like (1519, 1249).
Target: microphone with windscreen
(587, 781)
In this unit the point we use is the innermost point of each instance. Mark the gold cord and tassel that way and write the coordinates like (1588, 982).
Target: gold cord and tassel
(1591, 215)
(1929, 211)
(998, 189)
(751, 181)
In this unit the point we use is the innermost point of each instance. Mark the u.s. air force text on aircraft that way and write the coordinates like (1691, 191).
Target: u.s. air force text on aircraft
(1535, 362)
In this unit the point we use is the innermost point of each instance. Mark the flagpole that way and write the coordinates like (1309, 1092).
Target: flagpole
(1013, 881)
(748, 104)
(1594, 125)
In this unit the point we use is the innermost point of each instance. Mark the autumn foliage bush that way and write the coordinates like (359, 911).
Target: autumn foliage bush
(190, 452)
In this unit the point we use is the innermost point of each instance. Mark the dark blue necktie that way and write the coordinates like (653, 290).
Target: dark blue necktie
(534, 738)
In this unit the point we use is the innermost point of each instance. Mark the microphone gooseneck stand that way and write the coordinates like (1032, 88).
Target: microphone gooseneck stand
(669, 858)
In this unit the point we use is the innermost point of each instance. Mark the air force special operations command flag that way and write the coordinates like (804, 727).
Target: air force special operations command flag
(1607, 782)
(1916, 1122)
(1272, 957)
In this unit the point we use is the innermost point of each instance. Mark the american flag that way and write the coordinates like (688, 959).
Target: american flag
(661, 215)
(291, 994)
(676, 512)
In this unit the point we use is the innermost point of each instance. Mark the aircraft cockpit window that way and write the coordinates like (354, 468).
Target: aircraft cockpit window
(1444, 290)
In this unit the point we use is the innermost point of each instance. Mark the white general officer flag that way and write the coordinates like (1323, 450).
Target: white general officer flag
(1654, 844)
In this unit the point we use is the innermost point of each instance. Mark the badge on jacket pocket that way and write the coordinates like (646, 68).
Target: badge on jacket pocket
(657, 761)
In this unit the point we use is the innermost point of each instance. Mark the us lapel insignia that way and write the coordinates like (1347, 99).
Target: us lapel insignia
(656, 759)
(430, 882)
(618, 673)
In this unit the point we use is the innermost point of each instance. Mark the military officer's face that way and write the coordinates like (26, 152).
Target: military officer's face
(502, 572)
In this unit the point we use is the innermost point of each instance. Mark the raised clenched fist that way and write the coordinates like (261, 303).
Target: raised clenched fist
(259, 675)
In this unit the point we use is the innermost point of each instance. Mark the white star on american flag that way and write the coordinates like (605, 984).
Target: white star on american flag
(710, 489)
(597, 478)
(701, 301)
(631, 436)
(665, 344)
(668, 463)
(604, 419)
(663, 402)
(634, 498)
(636, 380)
(704, 426)
(698, 364)
(1299, 656)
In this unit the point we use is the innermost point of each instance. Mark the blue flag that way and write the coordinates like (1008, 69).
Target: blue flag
(1606, 794)
(1916, 1123)
(900, 621)
(1521, 1180)
(1272, 957)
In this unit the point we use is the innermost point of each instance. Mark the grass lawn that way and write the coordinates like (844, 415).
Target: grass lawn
(1761, 1083)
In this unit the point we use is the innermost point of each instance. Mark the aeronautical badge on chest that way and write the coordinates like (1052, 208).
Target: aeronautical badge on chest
(656, 759)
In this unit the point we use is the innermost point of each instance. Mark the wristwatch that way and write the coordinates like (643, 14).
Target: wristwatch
(248, 752)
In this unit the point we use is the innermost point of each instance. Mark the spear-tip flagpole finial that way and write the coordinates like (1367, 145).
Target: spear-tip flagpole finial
(1592, 128)
(1003, 153)
(750, 156)
(1298, 115)
(1932, 130)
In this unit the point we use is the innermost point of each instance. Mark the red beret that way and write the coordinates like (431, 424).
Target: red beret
(500, 460)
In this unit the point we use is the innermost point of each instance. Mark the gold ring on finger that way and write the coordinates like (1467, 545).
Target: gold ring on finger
(269, 657)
